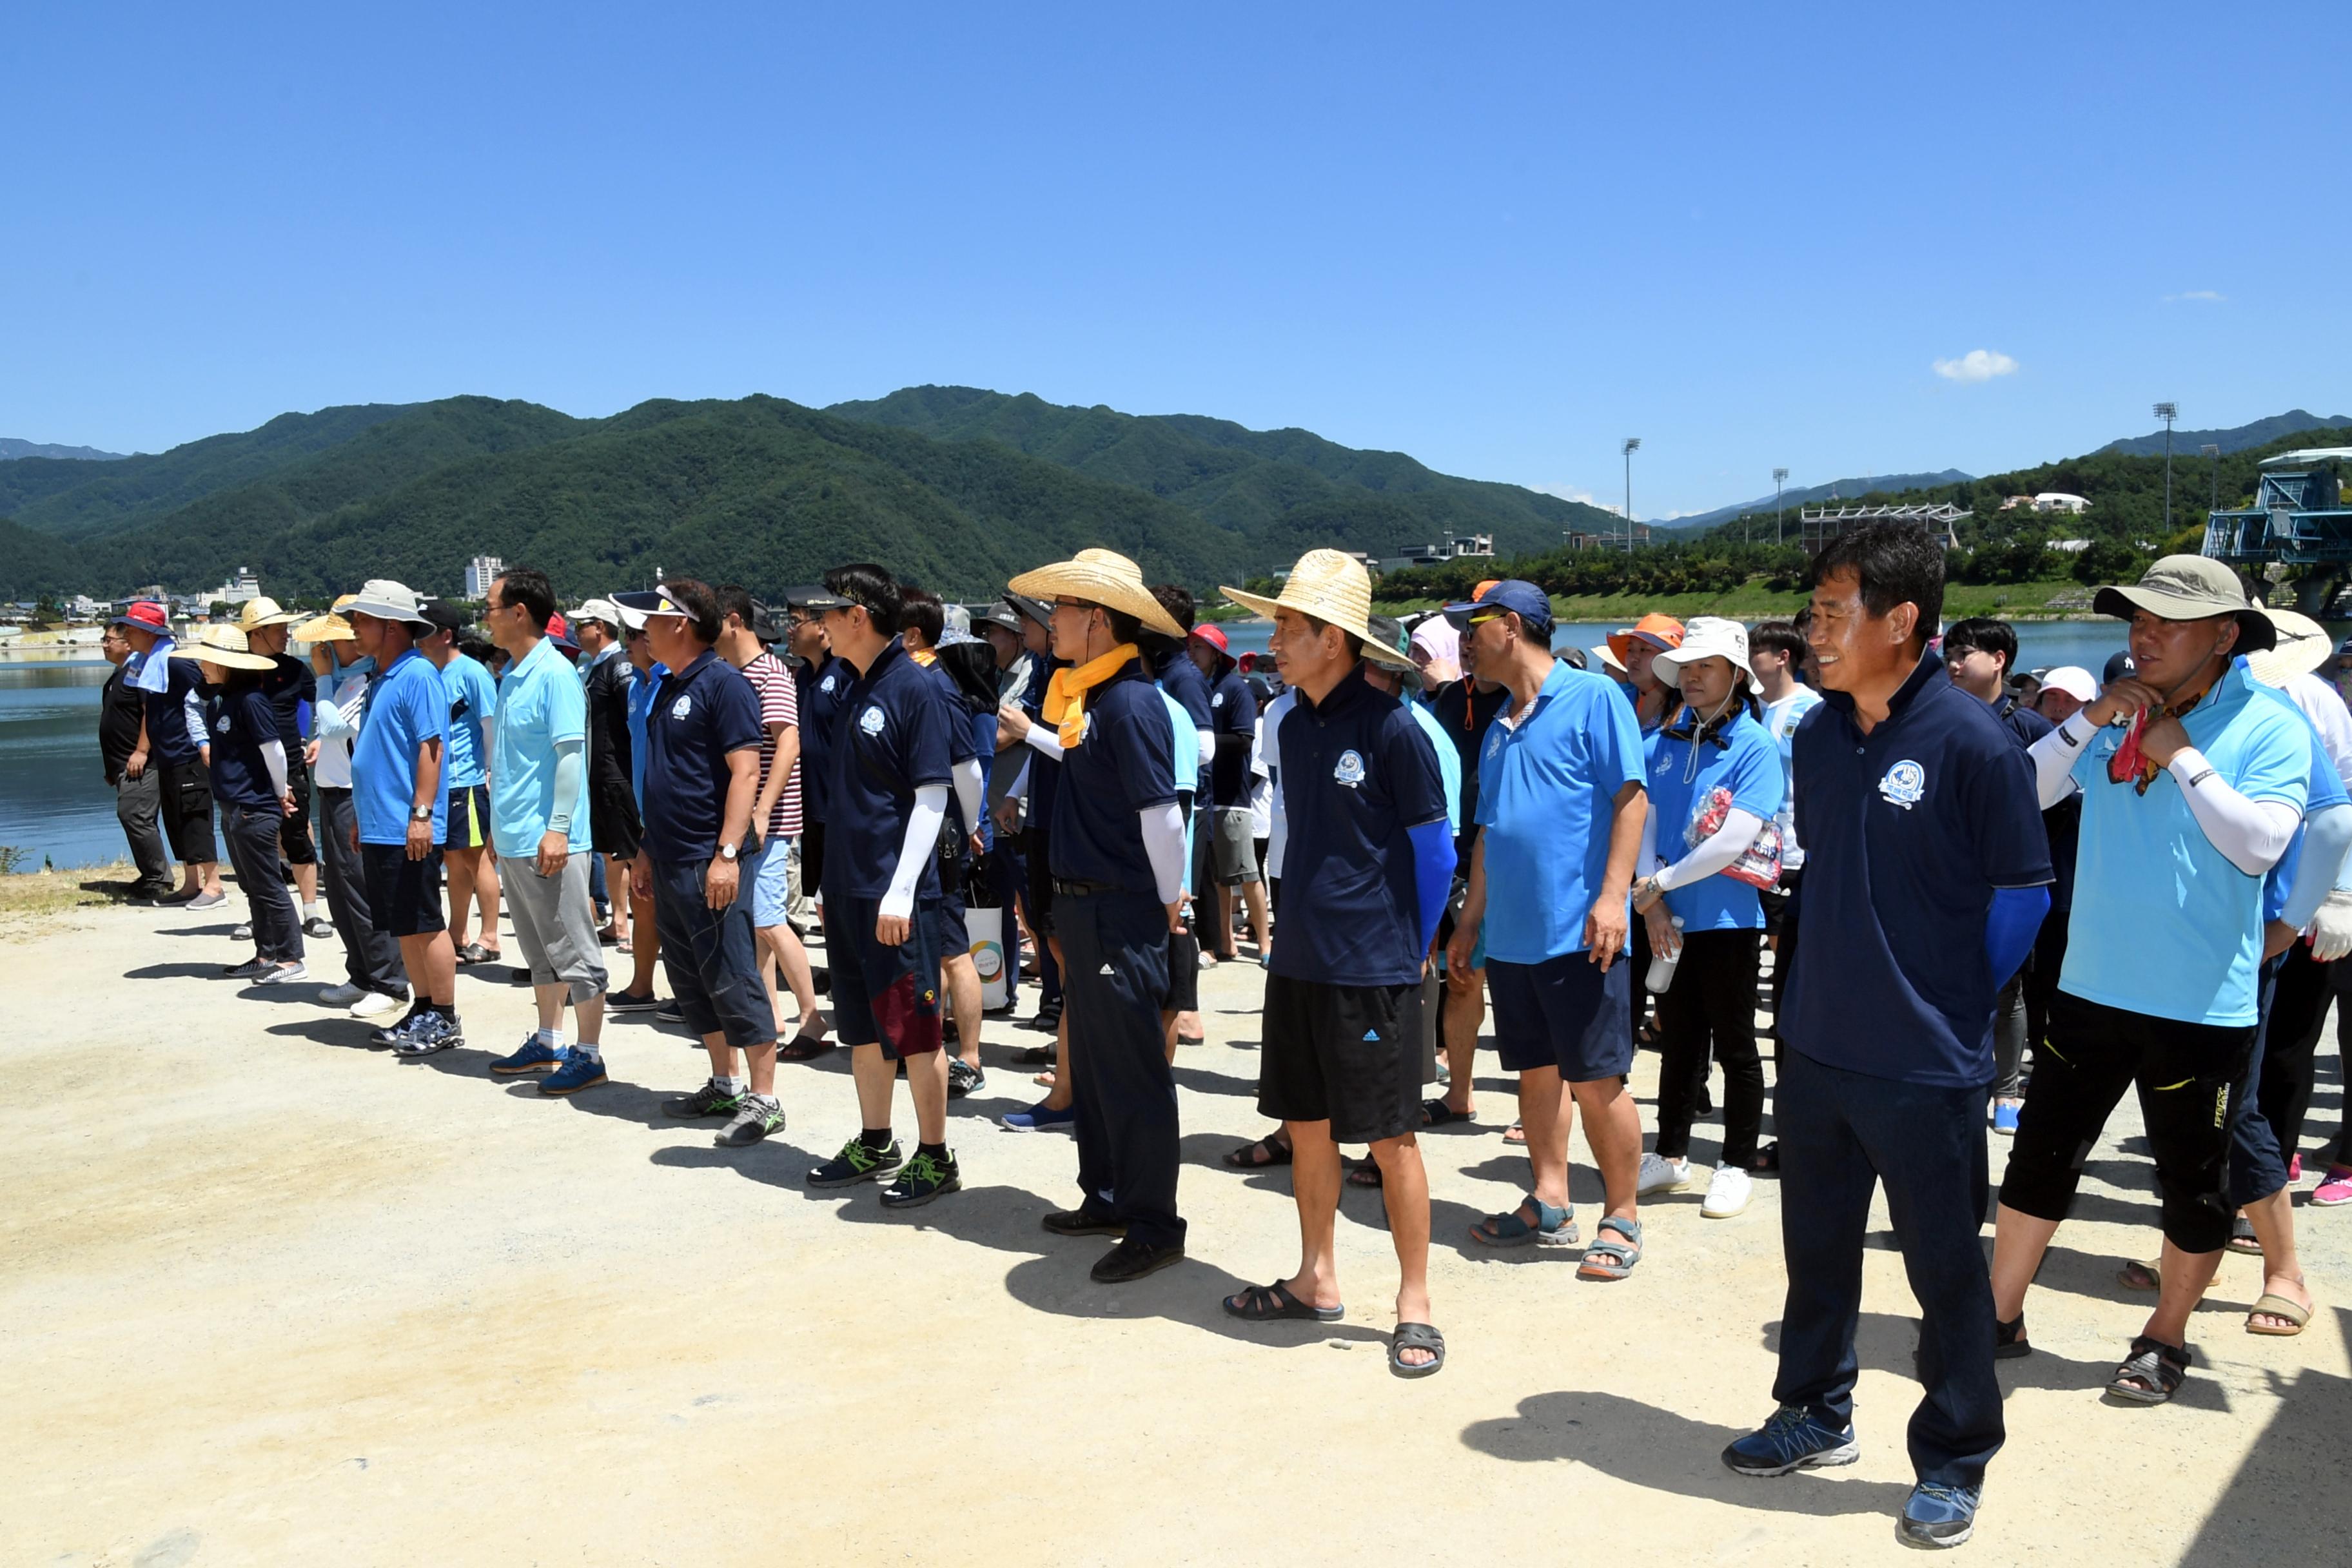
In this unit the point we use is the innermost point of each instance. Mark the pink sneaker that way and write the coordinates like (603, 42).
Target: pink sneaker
(2337, 1189)
(2295, 1172)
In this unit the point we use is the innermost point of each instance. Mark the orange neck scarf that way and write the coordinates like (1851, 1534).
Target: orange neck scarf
(1065, 695)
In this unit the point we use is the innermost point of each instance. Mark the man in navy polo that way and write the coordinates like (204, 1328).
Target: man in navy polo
(823, 677)
(701, 777)
(1370, 858)
(1118, 867)
(174, 737)
(1562, 805)
(886, 798)
(1925, 879)
(1224, 814)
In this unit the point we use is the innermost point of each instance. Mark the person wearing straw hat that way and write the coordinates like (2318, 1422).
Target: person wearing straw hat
(293, 692)
(1369, 859)
(175, 741)
(2186, 805)
(374, 982)
(1715, 783)
(1560, 809)
(401, 807)
(249, 778)
(1116, 868)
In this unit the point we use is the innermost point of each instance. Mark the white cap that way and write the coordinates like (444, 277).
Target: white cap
(602, 610)
(1706, 636)
(2074, 680)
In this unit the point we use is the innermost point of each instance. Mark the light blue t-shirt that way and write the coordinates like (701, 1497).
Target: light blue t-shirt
(1688, 796)
(1780, 722)
(2326, 789)
(2163, 923)
(473, 696)
(1547, 797)
(1449, 766)
(1183, 722)
(406, 705)
(541, 704)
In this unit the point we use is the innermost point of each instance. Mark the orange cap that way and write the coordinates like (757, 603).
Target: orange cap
(1658, 630)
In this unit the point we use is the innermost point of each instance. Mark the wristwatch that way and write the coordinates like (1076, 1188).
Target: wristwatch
(420, 814)
(727, 851)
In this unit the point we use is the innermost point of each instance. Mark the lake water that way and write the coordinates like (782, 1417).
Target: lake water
(54, 801)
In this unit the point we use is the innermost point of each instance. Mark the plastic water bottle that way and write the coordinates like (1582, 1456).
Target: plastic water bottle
(1661, 973)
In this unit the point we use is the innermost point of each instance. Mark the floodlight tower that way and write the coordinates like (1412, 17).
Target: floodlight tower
(1633, 445)
(1780, 478)
(2167, 412)
(2213, 459)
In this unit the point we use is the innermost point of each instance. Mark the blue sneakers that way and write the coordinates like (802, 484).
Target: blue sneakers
(2004, 1117)
(583, 1067)
(1791, 1440)
(1939, 1516)
(534, 1055)
(1040, 1117)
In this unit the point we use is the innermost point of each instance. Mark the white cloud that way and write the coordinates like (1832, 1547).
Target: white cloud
(1977, 364)
(1568, 492)
(2202, 296)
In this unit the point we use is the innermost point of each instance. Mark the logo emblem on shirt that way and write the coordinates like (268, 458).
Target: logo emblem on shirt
(1350, 770)
(826, 684)
(1218, 700)
(681, 708)
(1904, 784)
(871, 721)
(1665, 765)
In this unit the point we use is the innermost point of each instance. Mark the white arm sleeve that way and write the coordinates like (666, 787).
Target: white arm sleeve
(2054, 758)
(1719, 849)
(1163, 840)
(1208, 747)
(273, 757)
(919, 845)
(2326, 834)
(1019, 788)
(1648, 860)
(2251, 833)
(1048, 741)
(972, 793)
(342, 718)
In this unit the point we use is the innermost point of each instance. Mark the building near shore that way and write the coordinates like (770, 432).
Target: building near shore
(480, 572)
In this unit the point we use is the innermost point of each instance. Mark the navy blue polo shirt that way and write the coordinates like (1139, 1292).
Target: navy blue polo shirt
(1183, 680)
(701, 716)
(823, 689)
(1233, 709)
(241, 723)
(167, 711)
(895, 736)
(291, 687)
(1907, 831)
(2021, 721)
(1357, 772)
(1123, 766)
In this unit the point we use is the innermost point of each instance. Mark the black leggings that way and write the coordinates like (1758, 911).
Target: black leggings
(1711, 1003)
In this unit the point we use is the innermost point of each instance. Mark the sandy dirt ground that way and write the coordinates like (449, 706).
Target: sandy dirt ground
(269, 1296)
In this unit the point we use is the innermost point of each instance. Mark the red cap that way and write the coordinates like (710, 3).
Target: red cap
(1247, 660)
(557, 626)
(147, 615)
(1212, 634)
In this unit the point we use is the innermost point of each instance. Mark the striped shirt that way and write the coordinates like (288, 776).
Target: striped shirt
(778, 705)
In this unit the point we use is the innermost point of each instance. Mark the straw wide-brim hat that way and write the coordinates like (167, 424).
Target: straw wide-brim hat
(256, 614)
(224, 646)
(1333, 587)
(2191, 588)
(329, 627)
(1706, 636)
(1101, 577)
(1608, 658)
(2303, 645)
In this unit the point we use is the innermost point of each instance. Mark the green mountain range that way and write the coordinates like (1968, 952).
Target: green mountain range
(759, 490)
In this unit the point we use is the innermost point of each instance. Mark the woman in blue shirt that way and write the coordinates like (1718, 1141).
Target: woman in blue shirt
(1715, 782)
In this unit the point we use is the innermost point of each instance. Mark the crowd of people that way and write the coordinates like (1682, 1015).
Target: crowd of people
(1990, 905)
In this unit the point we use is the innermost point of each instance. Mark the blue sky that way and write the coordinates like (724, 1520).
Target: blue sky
(1499, 237)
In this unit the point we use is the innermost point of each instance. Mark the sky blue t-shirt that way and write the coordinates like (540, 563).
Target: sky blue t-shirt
(641, 692)
(1181, 724)
(1449, 767)
(2163, 923)
(1547, 797)
(1689, 796)
(473, 696)
(2326, 789)
(1780, 722)
(406, 705)
(541, 704)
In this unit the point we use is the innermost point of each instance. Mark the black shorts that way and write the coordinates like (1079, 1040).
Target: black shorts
(2183, 1072)
(885, 995)
(1183, 974)
(949, 935)
(811, 854)
(185, 809)
(469, 817)
(1564, 1013)
(1341, 1054)
(294, 834)
(404, 895)
(614, 825)
(1041, 881)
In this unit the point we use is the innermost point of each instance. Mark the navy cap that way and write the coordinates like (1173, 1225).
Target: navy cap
(2119, 668)
(442, 616)
(1523, 599)
(814, 596)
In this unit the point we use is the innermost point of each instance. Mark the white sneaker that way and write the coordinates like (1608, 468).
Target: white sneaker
(1659, 1174)
(342, 996)
(1726, 1193)
(376, 1004)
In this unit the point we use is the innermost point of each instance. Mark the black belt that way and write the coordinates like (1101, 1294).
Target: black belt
(1070, 887)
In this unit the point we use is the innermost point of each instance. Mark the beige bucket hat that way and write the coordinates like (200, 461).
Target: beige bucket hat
(2303, 645)
(2191, 588)
(1101, 577)
(256, 614)
(329, 627)
(1332, 586)
(224, 646)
